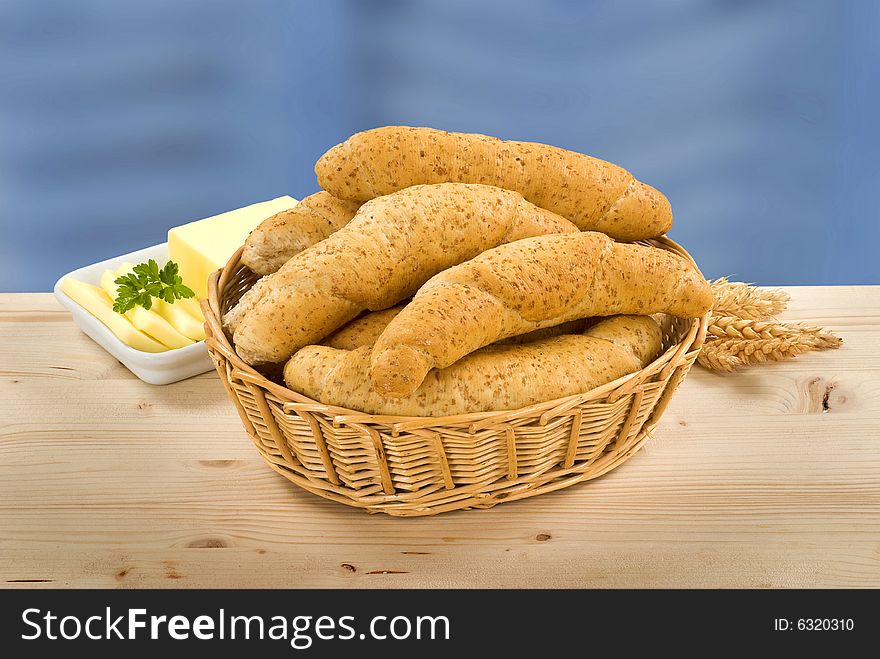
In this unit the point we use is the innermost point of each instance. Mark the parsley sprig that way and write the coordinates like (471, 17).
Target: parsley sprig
(147, 281)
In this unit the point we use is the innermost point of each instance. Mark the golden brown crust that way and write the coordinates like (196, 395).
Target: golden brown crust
(289, 232)
(526, 285)
(592, 193)
(362, 331)
(366, 329)
(498, 377)
(390, 248)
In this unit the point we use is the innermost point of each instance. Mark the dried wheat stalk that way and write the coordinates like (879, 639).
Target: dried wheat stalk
(739, 334)
(712, 357)
(734, 343)
(741, 300)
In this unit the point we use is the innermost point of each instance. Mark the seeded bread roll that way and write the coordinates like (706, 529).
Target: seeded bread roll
(499, 377)
(527, 285)
(364, 331)
(390, 248)
(594, 194)
(289, 232)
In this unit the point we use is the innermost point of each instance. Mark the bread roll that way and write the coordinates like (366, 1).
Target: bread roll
(289, 232)
(390, 248)
(498, 377)
(362, 331)
(526, 285)
(594, 194)
(365, 330)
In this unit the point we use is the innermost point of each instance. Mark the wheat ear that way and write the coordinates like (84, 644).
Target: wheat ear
(741, 300)
(717, 358)
(739, 333)
(736, 342)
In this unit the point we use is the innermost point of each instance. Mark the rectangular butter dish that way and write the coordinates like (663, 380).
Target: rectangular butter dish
(153, 368)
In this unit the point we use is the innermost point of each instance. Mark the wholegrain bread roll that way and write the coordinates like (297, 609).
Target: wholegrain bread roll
(289, 232)
(362, 331)
(526, 285)
(498, 377)
(365, 330)
(390, 248)
(594, 194)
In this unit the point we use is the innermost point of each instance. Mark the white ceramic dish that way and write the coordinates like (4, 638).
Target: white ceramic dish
(153, 368)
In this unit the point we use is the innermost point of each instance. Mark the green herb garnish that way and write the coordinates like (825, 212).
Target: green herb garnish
(145, 282)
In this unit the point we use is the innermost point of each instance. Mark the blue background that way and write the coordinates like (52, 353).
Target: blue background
(119, 120)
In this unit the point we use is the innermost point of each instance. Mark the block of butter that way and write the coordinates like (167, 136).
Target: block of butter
(201, 247)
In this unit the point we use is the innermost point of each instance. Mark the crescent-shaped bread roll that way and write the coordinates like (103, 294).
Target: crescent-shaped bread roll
(289, 232)
(532, 283)
(391, 247)
(498, 377)
(594, 194)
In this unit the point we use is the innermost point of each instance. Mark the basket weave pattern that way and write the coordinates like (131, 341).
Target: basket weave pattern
(411, 466)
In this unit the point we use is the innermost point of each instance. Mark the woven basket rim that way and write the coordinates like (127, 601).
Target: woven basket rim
(216, 339)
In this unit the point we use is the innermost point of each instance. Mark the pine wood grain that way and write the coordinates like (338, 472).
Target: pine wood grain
(767, 478)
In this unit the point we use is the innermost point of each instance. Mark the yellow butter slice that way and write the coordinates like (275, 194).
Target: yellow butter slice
(191, 306)
(180, 319)
(98, 303)
(174, 313)
(153, 324)
(147, 320)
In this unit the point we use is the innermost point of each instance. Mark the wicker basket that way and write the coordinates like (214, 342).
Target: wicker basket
(410, 466)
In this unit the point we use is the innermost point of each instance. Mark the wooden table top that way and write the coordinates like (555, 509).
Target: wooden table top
(765, 478)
